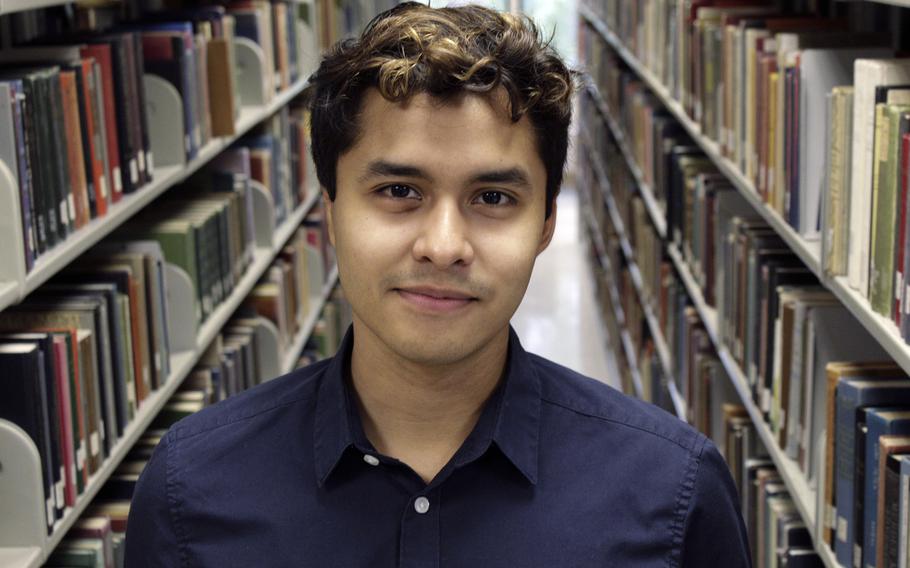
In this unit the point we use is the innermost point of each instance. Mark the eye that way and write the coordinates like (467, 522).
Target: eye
(399, 191)
(495, 199)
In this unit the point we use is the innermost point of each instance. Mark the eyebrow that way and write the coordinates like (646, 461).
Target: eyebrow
(510, 176)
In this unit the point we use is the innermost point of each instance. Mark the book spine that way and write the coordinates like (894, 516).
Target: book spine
(26, 187)
(58, 162)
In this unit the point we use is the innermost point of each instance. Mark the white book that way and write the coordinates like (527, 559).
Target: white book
(820, 71)
(868, 74)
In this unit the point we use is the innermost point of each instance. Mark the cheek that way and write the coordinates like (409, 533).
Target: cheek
(366, 244)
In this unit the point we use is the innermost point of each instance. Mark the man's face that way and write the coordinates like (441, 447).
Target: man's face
(437, 220)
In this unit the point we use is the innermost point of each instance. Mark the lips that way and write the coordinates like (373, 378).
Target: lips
(435, 299)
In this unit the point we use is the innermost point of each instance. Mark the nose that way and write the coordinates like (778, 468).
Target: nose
(444, 240)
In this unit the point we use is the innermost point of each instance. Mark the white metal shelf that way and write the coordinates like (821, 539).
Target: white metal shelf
(54, 260)
(181, 365)
(293, 352)
(624, 338)
(655, 211)
(657, 336)
(11, 6)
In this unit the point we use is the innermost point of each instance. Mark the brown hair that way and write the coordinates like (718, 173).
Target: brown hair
(413, 49)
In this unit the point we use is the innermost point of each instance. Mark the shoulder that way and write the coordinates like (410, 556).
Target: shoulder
(605, 408)
(294, 389)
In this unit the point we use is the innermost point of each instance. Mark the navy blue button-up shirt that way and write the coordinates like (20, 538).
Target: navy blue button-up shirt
(560, 470)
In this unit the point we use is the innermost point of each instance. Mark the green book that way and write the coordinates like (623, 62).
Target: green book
(178, 242)
(881, 273)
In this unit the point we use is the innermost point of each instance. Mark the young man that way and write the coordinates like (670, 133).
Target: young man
(432, 438)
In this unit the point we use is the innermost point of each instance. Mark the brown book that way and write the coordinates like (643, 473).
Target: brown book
(74, 156)
(889, 445)
(837, 372)
(88, 369)
(223, 101)
(93, 136)
(101, 53)
(282, 56)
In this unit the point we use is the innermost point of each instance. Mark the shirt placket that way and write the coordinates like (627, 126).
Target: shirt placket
(420, 531)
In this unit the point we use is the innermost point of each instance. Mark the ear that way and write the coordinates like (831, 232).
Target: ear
(549, 227)
(329, 206)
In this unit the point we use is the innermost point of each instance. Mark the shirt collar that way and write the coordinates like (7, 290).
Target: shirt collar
(515, 409)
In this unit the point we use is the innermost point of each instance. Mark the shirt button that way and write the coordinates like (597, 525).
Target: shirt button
(372, 460)
(422, 505)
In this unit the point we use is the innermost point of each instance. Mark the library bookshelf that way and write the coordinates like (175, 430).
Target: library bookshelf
(882, 329)
(24, 539)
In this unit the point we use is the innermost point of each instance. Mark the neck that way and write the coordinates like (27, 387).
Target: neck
(420, 413)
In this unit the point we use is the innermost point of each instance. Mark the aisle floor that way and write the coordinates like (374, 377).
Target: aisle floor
(559, 318)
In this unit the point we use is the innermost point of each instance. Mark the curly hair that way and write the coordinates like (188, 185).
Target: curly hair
(413, 49)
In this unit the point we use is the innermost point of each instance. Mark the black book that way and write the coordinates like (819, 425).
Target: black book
(57, 159)
(146, 164)
(23, 402)
(45, 343)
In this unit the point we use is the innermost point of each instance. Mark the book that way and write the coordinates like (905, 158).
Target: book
(868, 74)
(24, 402)
(891, 450)
(852, 397)
(881, 422)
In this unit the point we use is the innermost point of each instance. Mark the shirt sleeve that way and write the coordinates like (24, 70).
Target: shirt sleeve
(715, 533)
(151, 538)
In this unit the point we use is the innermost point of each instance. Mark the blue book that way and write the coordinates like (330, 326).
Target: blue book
(880, 422)
(852, 397)
(904, 515)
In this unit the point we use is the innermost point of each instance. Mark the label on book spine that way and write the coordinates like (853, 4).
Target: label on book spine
(80, 455)
(49, 506)
(841, 528)
(58, 491)
(141, 156)
(150, 161)
(134, 171)
(104, 187)
(71, 205)
(93, 443)
(118, 181)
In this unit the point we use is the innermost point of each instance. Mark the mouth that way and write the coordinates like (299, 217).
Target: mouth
(438, 300)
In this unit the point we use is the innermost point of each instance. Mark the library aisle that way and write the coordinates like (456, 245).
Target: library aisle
(555, 320)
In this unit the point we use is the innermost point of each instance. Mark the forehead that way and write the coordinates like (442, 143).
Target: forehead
(456, 134)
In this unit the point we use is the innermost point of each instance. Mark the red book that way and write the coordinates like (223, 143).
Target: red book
(102, 55)
(901, 229)
(94, 138)
(65, 412)
(74, 155)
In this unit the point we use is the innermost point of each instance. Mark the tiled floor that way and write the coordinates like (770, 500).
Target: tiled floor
(559, 318)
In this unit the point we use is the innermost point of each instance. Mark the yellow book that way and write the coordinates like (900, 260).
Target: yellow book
(771, 154)
(881, 123)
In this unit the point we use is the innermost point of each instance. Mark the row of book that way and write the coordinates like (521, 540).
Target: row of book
(73, 122)
(826, 391)
(89, 347)
(777, 534)
(292, 287)
(228, 367)
(767, 87)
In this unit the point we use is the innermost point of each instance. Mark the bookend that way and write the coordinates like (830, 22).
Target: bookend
(22, 508)
(183, 311)
(269, 349)
(253, 84)
(12, 253)
(263, 215)
(164, 109)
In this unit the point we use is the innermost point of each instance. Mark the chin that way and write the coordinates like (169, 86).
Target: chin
(439, 349)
